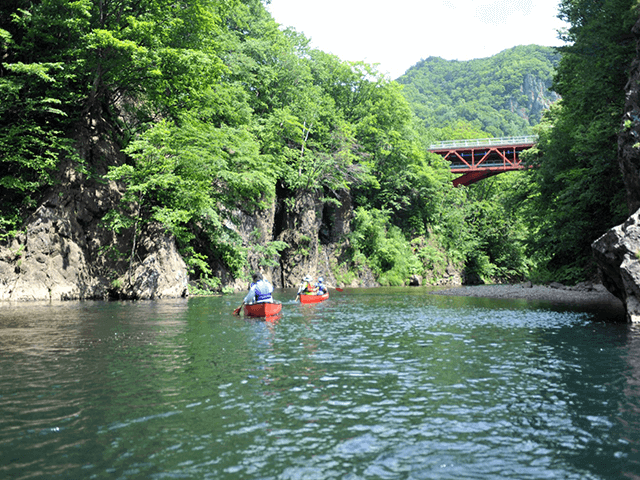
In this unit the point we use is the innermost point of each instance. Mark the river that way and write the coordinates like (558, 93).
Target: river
(384, 383)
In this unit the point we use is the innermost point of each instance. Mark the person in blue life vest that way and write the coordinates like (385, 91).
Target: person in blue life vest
(260, 291)
(321, 289)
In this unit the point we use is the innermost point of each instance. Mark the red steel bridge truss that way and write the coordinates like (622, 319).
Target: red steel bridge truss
(482, 158)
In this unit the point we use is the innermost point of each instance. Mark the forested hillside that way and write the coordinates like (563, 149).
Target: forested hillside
(573, 98)
(210, 118)
(503, 95)
(210, 122)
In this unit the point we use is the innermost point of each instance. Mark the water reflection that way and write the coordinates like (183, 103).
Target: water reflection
(628, 414)
(40, 329)
(380, 383)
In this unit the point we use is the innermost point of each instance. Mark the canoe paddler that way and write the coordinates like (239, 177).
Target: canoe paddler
(320, 288)
(260, 291)
(306, 287)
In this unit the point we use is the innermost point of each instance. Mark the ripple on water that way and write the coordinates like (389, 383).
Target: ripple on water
(378, 384)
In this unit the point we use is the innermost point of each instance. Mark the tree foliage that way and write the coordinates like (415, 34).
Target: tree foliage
(578, 192)
(214, 105)
(104, 67)
(503, 95)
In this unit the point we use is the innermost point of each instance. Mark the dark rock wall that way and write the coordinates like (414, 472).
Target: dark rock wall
(617, 253)
(629, 137)
(301, 224)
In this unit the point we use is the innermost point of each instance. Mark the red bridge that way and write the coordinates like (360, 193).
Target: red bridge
(484, 157)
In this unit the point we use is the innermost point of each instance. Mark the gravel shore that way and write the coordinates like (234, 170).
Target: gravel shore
(582, 294)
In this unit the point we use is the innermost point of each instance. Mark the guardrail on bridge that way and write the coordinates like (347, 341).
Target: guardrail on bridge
(485, 142)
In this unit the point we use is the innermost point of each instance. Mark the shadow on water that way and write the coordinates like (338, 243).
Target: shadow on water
(597, 371)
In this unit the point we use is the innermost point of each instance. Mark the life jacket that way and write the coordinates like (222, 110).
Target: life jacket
(263, 291)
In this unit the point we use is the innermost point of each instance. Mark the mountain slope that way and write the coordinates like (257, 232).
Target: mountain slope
(503, 95)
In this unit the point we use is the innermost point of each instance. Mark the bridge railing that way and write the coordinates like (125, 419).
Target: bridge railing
(485, 142)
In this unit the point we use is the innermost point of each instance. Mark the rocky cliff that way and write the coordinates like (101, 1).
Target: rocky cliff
(64, 253)
(618, 251)
(535, 98)
(315, 236)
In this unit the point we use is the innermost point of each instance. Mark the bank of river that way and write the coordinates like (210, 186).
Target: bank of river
(596, 294)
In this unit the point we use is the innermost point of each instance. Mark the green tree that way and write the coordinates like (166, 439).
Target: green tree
(384, 246)
(408, 182)
(32, 123)
(497, 230)
(188, 177)
(88, 68)
(579, 192)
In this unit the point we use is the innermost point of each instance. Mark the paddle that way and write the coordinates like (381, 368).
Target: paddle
(237, 310)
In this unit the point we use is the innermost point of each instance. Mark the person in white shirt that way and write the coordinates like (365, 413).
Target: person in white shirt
(320, 286)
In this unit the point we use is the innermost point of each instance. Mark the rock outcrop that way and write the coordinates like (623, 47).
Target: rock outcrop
(301, 226)
(65, 253)
(161, 273)
(60, 258)
(617, 253)
(536, 97)
(49, 260)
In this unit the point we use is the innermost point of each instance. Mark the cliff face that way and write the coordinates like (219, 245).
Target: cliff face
(63, 252)
(629, 137)
(315, 236)
(535, 99)
(618, 251)
(617, 254)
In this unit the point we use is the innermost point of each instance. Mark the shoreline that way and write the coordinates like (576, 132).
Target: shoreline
(580, 294)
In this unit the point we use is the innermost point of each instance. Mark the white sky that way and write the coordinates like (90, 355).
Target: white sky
(397, 34)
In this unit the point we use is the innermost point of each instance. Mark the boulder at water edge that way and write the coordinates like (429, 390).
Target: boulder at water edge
(616, 253)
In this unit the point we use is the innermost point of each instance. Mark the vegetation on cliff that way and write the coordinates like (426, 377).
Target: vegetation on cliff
(221, 114)
(577, 192)
(216, 109)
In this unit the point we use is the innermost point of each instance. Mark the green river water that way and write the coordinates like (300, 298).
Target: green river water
(385, 383)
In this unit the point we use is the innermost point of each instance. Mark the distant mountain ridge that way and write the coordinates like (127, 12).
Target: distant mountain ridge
(502, 95)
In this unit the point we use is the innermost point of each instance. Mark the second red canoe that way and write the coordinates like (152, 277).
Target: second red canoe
(311, 298)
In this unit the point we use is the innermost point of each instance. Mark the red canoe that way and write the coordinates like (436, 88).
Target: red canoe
(312, 298)
(262, 309)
